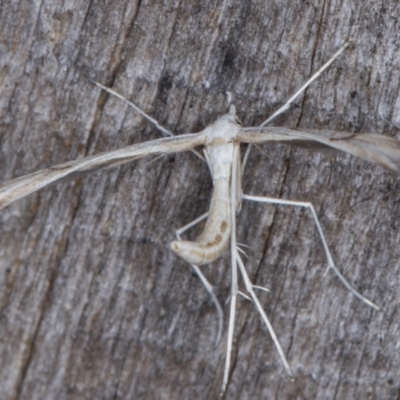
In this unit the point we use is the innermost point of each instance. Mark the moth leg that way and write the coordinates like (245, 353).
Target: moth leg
(165, 131)
(250, 289)
(289, 102)
(203, 279)
(321, 235)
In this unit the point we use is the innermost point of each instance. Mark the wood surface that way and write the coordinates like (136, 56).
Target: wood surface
(93, 303)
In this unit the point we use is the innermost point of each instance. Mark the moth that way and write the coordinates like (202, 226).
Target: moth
(220, 144)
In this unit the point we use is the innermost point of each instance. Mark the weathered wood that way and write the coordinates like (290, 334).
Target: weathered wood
(93, 302)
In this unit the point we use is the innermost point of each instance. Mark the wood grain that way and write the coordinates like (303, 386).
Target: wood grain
(93, 303)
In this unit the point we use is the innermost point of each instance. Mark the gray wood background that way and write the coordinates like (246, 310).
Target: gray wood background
(93, 303)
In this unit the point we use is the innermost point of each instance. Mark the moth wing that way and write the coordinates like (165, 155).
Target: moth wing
(381, 150)
(25, 185)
